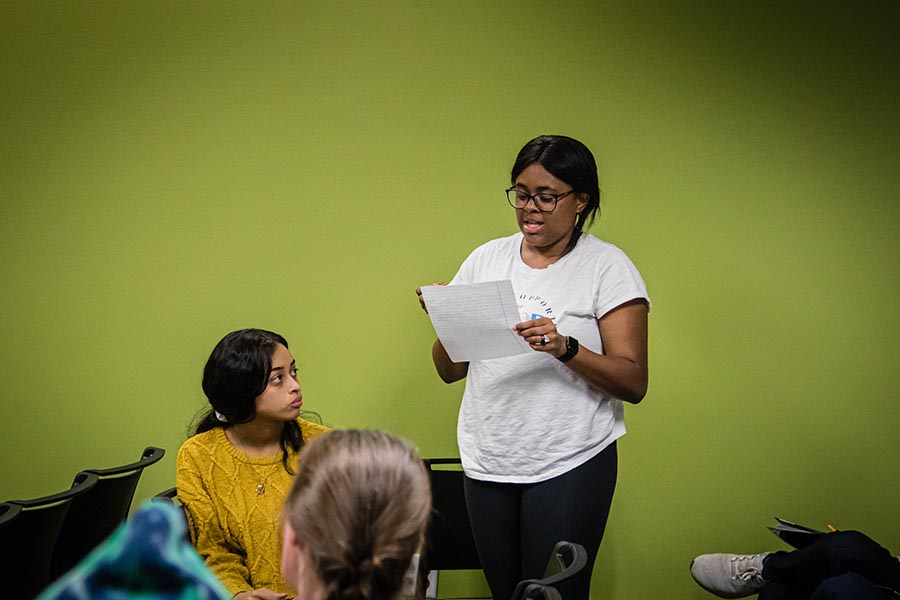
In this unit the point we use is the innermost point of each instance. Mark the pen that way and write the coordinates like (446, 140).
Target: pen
(831, 527)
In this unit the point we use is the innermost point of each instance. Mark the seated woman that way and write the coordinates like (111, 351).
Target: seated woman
(354, 517)
(235, 472)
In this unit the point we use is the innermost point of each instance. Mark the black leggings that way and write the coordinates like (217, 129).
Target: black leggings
(517, 525)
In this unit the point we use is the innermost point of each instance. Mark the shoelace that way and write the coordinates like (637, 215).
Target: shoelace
(749, 574)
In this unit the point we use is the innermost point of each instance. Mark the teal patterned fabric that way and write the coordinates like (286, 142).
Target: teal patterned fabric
(147, 557)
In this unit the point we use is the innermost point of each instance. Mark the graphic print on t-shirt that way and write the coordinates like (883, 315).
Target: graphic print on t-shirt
(533, 307)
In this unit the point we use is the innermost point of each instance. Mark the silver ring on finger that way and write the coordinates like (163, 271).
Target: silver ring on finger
(545, 339)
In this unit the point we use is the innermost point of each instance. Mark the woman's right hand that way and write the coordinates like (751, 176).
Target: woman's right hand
(259, 594)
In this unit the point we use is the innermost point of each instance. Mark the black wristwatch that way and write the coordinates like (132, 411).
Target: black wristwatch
(571, 349)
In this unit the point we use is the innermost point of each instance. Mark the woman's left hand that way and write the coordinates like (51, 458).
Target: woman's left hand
(542, 335)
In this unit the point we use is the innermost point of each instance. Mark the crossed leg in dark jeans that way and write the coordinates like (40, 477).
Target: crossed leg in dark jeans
(838, 566)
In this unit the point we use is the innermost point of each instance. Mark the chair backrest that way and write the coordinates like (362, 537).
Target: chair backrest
(94, 515)
(29, 530)
(539, 591)
(449, 542)
(566, 561)
(8, 512)
(170, 494)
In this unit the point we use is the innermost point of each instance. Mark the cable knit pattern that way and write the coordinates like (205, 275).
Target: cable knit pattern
(234, 527)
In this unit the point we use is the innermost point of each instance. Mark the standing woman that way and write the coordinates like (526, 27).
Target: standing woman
(537, 432)
(234, 474)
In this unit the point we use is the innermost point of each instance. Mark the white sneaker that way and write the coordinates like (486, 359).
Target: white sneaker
(729, 575)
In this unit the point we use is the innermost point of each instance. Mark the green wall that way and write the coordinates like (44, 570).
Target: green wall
(171, 171)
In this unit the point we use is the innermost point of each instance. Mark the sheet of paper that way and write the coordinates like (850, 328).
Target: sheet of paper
(475, 321)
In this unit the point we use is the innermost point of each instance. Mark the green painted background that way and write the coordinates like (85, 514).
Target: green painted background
(171, 171)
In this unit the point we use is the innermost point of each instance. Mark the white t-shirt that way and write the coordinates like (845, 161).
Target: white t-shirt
(528, 418)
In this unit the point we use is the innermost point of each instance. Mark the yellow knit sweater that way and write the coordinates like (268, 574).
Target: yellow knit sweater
(233, 503)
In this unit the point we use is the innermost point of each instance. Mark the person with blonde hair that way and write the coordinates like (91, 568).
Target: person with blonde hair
(354, 517)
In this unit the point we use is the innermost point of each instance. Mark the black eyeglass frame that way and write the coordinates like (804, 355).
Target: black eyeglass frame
(511, 198)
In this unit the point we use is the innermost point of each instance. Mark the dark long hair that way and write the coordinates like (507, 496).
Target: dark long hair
(235, 374)
(570, 161)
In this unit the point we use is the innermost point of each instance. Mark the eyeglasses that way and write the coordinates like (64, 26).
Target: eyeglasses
(543, 202)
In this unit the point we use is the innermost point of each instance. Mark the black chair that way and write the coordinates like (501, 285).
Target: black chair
(94, 515)
(449, 542)
(566, 560)
(29, 530)
(169, 494)
(539, 591)
(8, 512)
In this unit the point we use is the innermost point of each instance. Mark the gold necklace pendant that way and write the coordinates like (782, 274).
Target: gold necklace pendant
(260, 489)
